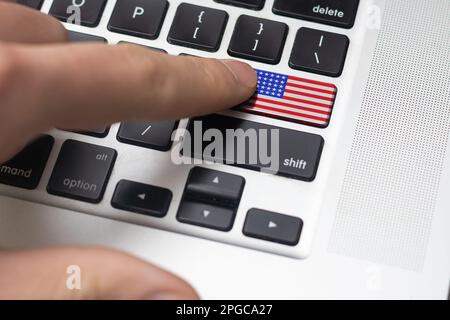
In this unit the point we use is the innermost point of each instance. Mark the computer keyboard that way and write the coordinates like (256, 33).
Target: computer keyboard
(300, 52)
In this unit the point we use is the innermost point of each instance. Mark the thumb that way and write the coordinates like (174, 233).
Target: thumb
(94, 273)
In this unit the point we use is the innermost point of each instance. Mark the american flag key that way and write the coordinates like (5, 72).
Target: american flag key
(292, 98)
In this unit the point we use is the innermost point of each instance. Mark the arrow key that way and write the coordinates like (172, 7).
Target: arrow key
(206, 215)
(273, 227)
(141, 198)
(215, 186)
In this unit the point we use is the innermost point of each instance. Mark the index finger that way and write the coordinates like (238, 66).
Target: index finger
(85, 86)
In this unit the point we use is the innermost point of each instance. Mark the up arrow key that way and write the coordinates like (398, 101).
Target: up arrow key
(272, 225)
(216, 180)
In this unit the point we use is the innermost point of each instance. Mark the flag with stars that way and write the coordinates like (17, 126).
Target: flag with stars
(292, 98)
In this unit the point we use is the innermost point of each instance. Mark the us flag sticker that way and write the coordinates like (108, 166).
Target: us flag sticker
(292, 98)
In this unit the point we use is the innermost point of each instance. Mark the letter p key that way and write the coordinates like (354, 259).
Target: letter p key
(138, 11)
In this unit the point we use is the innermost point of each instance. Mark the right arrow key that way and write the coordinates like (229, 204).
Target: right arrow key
(274, 227)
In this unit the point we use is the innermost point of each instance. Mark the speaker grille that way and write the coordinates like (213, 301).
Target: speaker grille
(391, 184)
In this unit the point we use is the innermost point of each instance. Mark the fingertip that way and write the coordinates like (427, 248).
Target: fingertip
(138, 278)
(244, 74)
(164, 285)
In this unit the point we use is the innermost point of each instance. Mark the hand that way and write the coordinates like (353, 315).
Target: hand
(45, 83)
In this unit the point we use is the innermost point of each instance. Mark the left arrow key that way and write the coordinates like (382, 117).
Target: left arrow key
(141, 198)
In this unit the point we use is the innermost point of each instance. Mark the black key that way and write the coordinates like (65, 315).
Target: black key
(83, 37)
(206, 215)
(139, 18)
(26, 168)
(298, 156)
(198, 27)
(35, 4)
(258, 39)
(249, 4)
(82, 171)
(151, 48)
(141, 198)
(152, 135)
(340, 13)
(214, 186)
(90, 11)
(319, 52)
(97, 133)
(273, 227)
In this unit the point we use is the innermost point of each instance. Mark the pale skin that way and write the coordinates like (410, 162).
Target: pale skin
(46, 83)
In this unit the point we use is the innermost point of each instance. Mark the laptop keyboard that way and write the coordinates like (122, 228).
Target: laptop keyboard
(211, 198)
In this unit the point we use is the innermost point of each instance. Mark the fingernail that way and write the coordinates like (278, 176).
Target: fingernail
(243, 72)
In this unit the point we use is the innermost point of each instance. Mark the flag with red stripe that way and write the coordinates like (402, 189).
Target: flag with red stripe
(292, 98)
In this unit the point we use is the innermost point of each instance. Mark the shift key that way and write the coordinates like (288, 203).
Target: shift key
(82, 171)
(256, 146)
